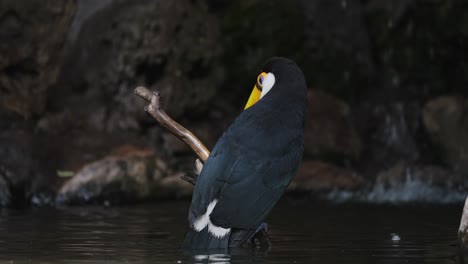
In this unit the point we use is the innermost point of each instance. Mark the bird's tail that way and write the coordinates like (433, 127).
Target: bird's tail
(236, 238)
(204, 240)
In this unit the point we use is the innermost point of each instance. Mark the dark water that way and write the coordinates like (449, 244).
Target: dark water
(300, 232)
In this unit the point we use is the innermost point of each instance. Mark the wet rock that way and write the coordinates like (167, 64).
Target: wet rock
(318, 176)
(404, 171)
(33, 34)
(409, 181)
(174, 187)
(329, 131)
(446, 121)
(174, 145)
(208, 131)
(128, 175)
(23, 168)
(392, 132)
(171, 46)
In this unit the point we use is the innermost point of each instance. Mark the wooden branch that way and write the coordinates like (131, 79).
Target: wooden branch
(156, 110)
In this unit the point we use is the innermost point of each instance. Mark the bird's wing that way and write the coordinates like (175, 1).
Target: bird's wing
(219, 164)
(246, 178)
(210, 181)
(252, 189)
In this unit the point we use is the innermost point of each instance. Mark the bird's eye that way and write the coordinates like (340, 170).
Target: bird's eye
(260, 81)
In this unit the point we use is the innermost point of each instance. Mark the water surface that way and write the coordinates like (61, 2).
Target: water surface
(301, 232)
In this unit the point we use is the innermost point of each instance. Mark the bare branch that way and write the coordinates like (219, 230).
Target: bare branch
(156, 110)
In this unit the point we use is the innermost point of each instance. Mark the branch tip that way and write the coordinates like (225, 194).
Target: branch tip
(156, 110)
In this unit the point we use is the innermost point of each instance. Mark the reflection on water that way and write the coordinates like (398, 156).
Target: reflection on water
(300, 233)
(212, 258)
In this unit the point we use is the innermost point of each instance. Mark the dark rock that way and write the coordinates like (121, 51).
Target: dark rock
(173, 145)
(318, 176)
(171, 46)
(329, 132)
(207, 131)
(408, 34)
(23, 170)
(173, 186)
(370, 57)
(446, 121)
(33, 34)
(337, 55)
(392, 132)
(253, 31)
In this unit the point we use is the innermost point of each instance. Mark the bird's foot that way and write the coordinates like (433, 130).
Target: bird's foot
(260, 238)
(190, 177)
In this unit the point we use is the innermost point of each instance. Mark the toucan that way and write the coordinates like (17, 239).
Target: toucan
(252, 163)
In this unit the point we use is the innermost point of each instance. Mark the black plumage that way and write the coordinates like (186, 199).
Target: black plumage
(254, 161)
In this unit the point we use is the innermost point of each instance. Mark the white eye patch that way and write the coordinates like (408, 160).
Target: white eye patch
(267, 84)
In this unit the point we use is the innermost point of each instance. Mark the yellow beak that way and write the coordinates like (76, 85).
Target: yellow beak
(254, 97)
(256, 92)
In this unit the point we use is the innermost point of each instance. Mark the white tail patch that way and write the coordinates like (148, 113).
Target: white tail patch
(204, 221)
(217, 231)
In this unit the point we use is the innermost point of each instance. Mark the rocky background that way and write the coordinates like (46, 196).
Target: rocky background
(388, 107)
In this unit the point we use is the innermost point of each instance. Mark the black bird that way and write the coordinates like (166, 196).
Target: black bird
(252, 163)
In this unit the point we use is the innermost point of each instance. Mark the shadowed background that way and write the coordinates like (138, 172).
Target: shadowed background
(387, 118)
